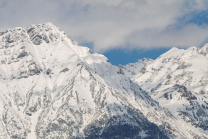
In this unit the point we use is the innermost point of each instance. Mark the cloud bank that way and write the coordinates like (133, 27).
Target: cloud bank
(126, 24)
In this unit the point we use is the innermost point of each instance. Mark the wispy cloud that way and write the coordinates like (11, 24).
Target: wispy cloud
(113, 24)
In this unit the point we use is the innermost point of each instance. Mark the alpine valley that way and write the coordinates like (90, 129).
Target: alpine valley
(51, 88)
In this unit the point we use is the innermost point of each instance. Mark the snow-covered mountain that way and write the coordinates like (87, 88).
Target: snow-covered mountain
(52, 88)
(132, 69)
(178, 80)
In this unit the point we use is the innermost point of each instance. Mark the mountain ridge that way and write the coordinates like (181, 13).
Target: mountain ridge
(53, 88)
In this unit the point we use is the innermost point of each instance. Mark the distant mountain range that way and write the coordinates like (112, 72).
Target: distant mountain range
(51, 88)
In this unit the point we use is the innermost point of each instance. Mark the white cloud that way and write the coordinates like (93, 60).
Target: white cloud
(113, 24)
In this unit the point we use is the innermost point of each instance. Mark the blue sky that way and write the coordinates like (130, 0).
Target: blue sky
(124, 31)
(124, 57)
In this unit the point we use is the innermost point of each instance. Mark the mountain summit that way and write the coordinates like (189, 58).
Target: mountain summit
(178, 80)
(53, 88)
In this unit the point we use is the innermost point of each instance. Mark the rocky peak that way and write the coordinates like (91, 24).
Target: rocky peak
(194, 48)
(132, 69)
(204, 50)
(144, 60)
(36, 34)
(44, 32)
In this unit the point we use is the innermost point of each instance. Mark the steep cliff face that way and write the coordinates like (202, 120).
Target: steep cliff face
(52, 88)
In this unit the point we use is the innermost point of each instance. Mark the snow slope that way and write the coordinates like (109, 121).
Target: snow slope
(178, 81)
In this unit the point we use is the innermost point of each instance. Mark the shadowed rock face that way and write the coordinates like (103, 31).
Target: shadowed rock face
(124, 131)
(189, 106)
(184, 92)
